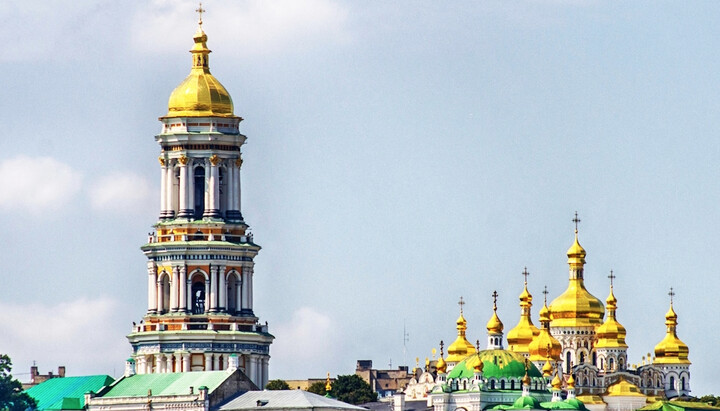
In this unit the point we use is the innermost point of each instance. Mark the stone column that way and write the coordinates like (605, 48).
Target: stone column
(238, 294)
(207, 295)
(163, 188)
(184, 188)
(152, 287)
(212, 204)
(186, 362)
(178, 361)
(222, 290)
(216, 362)
(170, 199)
(213, 288)
(265, 369)
(141, 364)
(250, 288)
(245, 283)
(229, 189)
(174, 287)
(169, 362)
(158, 363)
(251, 367)
(182, 289)
(238, 190)
(190, 297)
(160, 297)
(208, 362)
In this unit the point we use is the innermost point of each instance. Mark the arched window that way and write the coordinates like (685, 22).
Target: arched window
(672, 383)
(594, 358)
(621, 363)
(602, 364)
(682, 383)
(611, 364)
(165, 290)
(492, 384)
(582, 358)
(512, 384)
(198, 296)
(568, 365)
(502, 384)
(199, 192)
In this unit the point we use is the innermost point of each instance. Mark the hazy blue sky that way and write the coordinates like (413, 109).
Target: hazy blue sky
(399, 155)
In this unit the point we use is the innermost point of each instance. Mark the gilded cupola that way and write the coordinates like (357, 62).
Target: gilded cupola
(671, 350)
(611, 334)
(520, 337)
(461, 347)
(576, 307)
(495, 328)
(200, 94)
(545, 346)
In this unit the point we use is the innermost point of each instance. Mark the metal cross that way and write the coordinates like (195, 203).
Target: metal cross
(200, 10)
(545, 291)
(461, 303)
(611, 277)
(495, 296)
(525, 273)
(576, 220)
(671, 294)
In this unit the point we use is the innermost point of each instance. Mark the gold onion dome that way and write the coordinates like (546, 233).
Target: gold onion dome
(547, 369)
(520, 337)
(556, 383)
(624, 388)
(200, 94)
(671, 350)
(571, 382)
(576, 307)
(441, 366)
(494, 325)
(544, 346)
(461, 347)
(611, 334)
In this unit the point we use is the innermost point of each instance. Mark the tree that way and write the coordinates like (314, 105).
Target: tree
(707, 399)
(277, 385)
(318, 387)
(352, 389)
(12, 397)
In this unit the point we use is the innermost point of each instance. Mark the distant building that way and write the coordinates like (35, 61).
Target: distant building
(286, 400)
(36, 378)
(305, 384)
(384, 382)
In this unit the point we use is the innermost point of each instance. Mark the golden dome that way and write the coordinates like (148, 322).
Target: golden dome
(671, 350)
(576, 307)
(494, 325)
(624, 388)
(200, 94)
(461, 347)
(523, 333)
(526, 379)
(556, 383)
(611, 334)
(547, 369)
(571, 382)
(441, 366)
(544, 345)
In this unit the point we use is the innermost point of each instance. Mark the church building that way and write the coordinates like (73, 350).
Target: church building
(201, 253)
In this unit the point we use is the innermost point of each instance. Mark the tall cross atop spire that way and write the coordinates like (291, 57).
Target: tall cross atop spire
(671, 294)
(495, 296)
(461, 303)
(611, 277)
(525, 274)
(576, 220)
(200, 10)
(545, 291)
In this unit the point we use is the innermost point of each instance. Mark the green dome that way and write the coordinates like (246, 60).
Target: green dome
(529, 403)
(496, 364)
(569, 404)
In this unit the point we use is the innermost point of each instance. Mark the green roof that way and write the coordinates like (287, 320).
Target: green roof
(569, 404)
(496, 364)
(526, 402)
(678, 406)
(177, 383)
(66, 393)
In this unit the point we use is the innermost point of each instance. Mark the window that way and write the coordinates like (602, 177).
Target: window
(198, 297)
(234, 293)
(199, 192)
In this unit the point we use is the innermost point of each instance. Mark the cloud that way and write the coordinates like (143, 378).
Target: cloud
(255, 26)
(303, 344)
(122, 192)
(63, 334)
(37, 183)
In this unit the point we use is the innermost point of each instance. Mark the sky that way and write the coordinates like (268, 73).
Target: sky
(399, 155)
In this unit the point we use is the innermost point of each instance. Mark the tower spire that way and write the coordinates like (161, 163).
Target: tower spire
(200, 10)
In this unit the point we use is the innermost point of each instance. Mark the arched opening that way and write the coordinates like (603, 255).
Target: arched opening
(234, 293)
(199, 192)
(582, 358)
(594, 358)
(165, 293)
(621, 364)
(682, 383)
(502, 384)
(672, 383)
(568, 365)
(602, 364)
(198, 295)
(512, 384)
(492, 384)
(611, 364)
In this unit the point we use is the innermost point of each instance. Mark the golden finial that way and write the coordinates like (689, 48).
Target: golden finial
(434, 351)
(671, 294)
(417, 362)
(495, 296)
(611, 277)
(525, 274)
(576, 220)
(461, 303)
(328, 386)
(200, 10)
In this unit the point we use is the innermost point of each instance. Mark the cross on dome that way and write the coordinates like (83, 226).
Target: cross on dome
(461, 303)
(495, 296)
(671, 294)
(200, 10)
(576, 220)
(545, 292)
(611, 277)
(525, 274)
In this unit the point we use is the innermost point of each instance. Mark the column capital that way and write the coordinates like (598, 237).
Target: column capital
(183, 159)
(214, 160)
(239, 162)
(162, 161)
(151, 267)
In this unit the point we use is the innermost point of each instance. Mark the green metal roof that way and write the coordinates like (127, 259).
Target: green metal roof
(496, 364)
(569, 404)
(66, 393)
(177, 383)
(678, 406)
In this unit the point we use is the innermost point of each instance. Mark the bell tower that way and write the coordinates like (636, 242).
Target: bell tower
(201, 254)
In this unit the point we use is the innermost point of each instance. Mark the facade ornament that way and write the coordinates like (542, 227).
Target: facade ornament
(162, 161)
(183, 159)
(214, 159)
(239, 162)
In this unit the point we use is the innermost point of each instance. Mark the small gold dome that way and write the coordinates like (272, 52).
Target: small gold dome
(571, 382)
(520, 337)
(611, 334)
(576, 254)
(545, 345)
(441, 365)
(671, 350)
(461, 347)
(624, 388)
(547, 369)
(494, 325)
(556, 383)
(526, 379)
(200, 94)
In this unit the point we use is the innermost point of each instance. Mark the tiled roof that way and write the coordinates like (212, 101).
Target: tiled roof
(285, 399)
(177, 383)
(66, 393)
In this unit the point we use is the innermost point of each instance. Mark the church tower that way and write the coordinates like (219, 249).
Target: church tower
(200, 257)
(671, 357)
